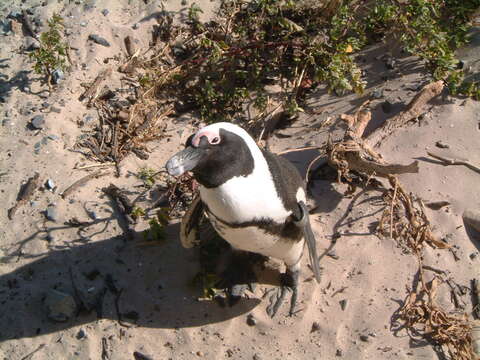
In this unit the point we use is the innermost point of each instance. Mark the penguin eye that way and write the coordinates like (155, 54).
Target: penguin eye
(215, 141)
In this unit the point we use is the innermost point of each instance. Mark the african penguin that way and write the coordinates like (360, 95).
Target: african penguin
(254, 199)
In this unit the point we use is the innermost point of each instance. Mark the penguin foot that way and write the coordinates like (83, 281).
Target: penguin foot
(238, 277)
(289, 282)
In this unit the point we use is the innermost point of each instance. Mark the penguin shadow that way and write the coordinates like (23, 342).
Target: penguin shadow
(117, 279)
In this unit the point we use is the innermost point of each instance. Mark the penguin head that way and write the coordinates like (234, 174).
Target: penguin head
(215, 154)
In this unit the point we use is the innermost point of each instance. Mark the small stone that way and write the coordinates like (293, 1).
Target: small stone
(105, 12)
(51, 213)
(83, 24)
(339, 353)
(135, 26)
(251, 321)
(53, 137)
(364, 338)
(6, 122)
(38, 121)
(377, 93)
(442, 145)
(200, 354)
(343, 304)
(99, 40)
(55, 109)
(256, 357)
(60, 306)
(81, 335)
(473, 255)
(57, 76)
(31, 43)
(50, 184)
(315, 327)
(390, 63)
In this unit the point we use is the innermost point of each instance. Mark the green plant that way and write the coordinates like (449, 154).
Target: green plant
(147, 175)
(52, 54)
(156, 232)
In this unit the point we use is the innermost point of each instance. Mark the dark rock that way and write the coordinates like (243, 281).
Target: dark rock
(343, 303)
(99, 40)
(57, 76)
(105, 12)
(60, 306)
(38, 121)
(339, 353)
(81, 335)
(55, 109)
(251, 321)
(135, 26)
(51, 213)
(15, 14)
(315, 327)
(364, 338)
(440, 144)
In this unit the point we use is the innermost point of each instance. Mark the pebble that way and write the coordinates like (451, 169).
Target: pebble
(60, 306)
(442, 145)
(105, 12)
(50, 184)
(377, 93)
(135, 26)
(256, 357)
(51, 213)
(82, 334)
(38, 121)
(53, 137)
(31, 43)
(83, 24)
(55, 109)
(364, 338)
(99, 40)
(339, 353)
(343, 303)
(57, 76)
(315, 326)
(251, 321)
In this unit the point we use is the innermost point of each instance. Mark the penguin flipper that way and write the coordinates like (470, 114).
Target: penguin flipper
(304, 223)
(189, 226)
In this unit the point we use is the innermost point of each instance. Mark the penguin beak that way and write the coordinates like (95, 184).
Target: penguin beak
(185, 160)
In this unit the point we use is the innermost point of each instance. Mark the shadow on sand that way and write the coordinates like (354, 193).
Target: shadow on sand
(152, 284)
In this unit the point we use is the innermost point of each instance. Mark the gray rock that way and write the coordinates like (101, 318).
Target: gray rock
(6, 26)
(38, 121)
(50, 184)
(60, 306)
(15, 14)
(51, 213)
(98, 40)
(377, 93)
(135, 26)
(469, 55)
(7, 122)
(57, 76)
(31, 43)
(82, 334)
(53, 137)
(83, 24)
(105, 12)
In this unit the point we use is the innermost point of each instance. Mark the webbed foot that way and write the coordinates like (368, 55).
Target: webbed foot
(288, 282)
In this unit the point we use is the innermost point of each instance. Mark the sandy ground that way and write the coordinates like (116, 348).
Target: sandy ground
(162, 317)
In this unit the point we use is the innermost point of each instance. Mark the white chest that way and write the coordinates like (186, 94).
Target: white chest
(243, 199)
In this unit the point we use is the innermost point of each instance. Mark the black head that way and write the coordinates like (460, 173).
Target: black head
(214, 154)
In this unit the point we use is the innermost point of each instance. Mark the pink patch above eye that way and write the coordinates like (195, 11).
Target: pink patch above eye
(212, 136)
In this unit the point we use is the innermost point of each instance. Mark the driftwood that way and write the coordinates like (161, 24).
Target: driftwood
(414, 109)
(25, 193)
(94, 89)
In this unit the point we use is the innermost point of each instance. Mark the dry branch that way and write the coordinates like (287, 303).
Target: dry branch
(94, 89)
(81, 182)
(448, 161)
